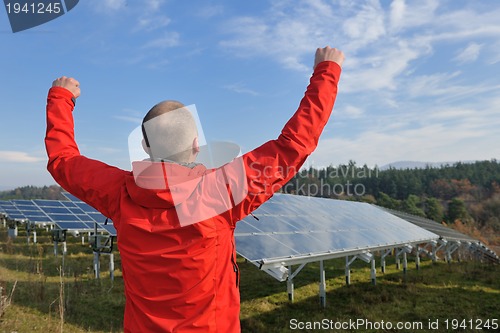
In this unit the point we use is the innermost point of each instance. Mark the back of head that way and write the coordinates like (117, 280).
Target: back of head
(169, 130)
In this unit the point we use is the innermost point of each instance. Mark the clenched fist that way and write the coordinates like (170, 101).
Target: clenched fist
(328, 54)
(68, 83)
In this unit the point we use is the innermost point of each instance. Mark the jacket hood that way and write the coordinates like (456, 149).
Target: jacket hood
(163, 184)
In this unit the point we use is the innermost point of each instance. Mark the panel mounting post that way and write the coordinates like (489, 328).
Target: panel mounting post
(112, 266)
(97, 264)
(322, 284)
(382, 260)
(348, 269)
(405, 263)
(373, 272)
(417, 259)
(289, 286)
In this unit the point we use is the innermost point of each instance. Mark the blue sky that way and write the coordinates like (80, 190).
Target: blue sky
(421, 80)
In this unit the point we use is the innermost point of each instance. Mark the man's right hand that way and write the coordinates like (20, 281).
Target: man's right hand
(68, 83)
(329, 54)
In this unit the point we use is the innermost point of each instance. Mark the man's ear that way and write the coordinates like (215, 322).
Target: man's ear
(145, 147)
(196, 146)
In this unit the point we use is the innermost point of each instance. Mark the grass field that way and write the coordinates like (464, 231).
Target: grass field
(41, 293)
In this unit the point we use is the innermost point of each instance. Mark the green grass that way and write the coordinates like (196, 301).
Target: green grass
(467, 290)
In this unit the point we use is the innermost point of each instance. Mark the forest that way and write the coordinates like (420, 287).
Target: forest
(465, 196)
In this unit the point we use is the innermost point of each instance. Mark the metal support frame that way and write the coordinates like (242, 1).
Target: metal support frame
(30, 230)
(403, 251)
(102, 244)
(289, 282)
(366, 257)
(450, 248)
(322, 284)
(442, 243)
(59, 236)
(373, 273)
(97, 265)
(382, 260)
(429, 253)
(281, 268)
(12, 233)
(417, 258)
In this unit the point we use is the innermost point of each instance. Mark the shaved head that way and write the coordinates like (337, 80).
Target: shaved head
(170, 132)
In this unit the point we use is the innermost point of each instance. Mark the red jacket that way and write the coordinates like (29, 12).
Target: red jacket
(181, 276)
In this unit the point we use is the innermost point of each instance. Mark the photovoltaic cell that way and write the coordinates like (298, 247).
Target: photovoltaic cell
(71, 215)
(48, 203)
(297, 226)
(12, 211)
(91, 214)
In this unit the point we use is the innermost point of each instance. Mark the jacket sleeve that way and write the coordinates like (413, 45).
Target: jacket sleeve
(94, 182)
(272, 165)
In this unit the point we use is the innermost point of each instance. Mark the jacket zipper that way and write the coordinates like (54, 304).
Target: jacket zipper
(235, 266)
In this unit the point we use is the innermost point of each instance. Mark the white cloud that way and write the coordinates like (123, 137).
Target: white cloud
(429, 143)
(367, 25)
(285, 34)
(407, 15)
(113, 4)
(154, 5)
(169, 39)
(130, 119)
(380, 70)
(241, 89)
(432, 85)
(469, 54)
(19, 157)
(397, 14)
(151, 17)
(209, 11)
(349, 111)
(151, 22)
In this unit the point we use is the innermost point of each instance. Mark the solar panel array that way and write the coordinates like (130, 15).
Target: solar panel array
(11, 211)
(437, 228)
(448, 234)
(288, 228)
(73, 214)
(292, 229)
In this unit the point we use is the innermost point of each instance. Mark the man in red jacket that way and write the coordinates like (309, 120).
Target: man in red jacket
(175, 219)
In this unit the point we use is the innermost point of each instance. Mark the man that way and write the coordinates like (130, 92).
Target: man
(175, 219)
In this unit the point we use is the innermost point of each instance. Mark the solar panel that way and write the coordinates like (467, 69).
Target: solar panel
(437, 228)
(31, 212)
(74, 214)
(109, 228)
(70, 197)
(12, 211)
(296, 229)
(74, 225)
(88, 214)
(48, 203)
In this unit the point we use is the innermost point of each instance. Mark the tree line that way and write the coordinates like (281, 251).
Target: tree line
(52, 192)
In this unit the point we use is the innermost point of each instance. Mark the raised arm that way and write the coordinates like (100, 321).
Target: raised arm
(273, 164)
(92, 181)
